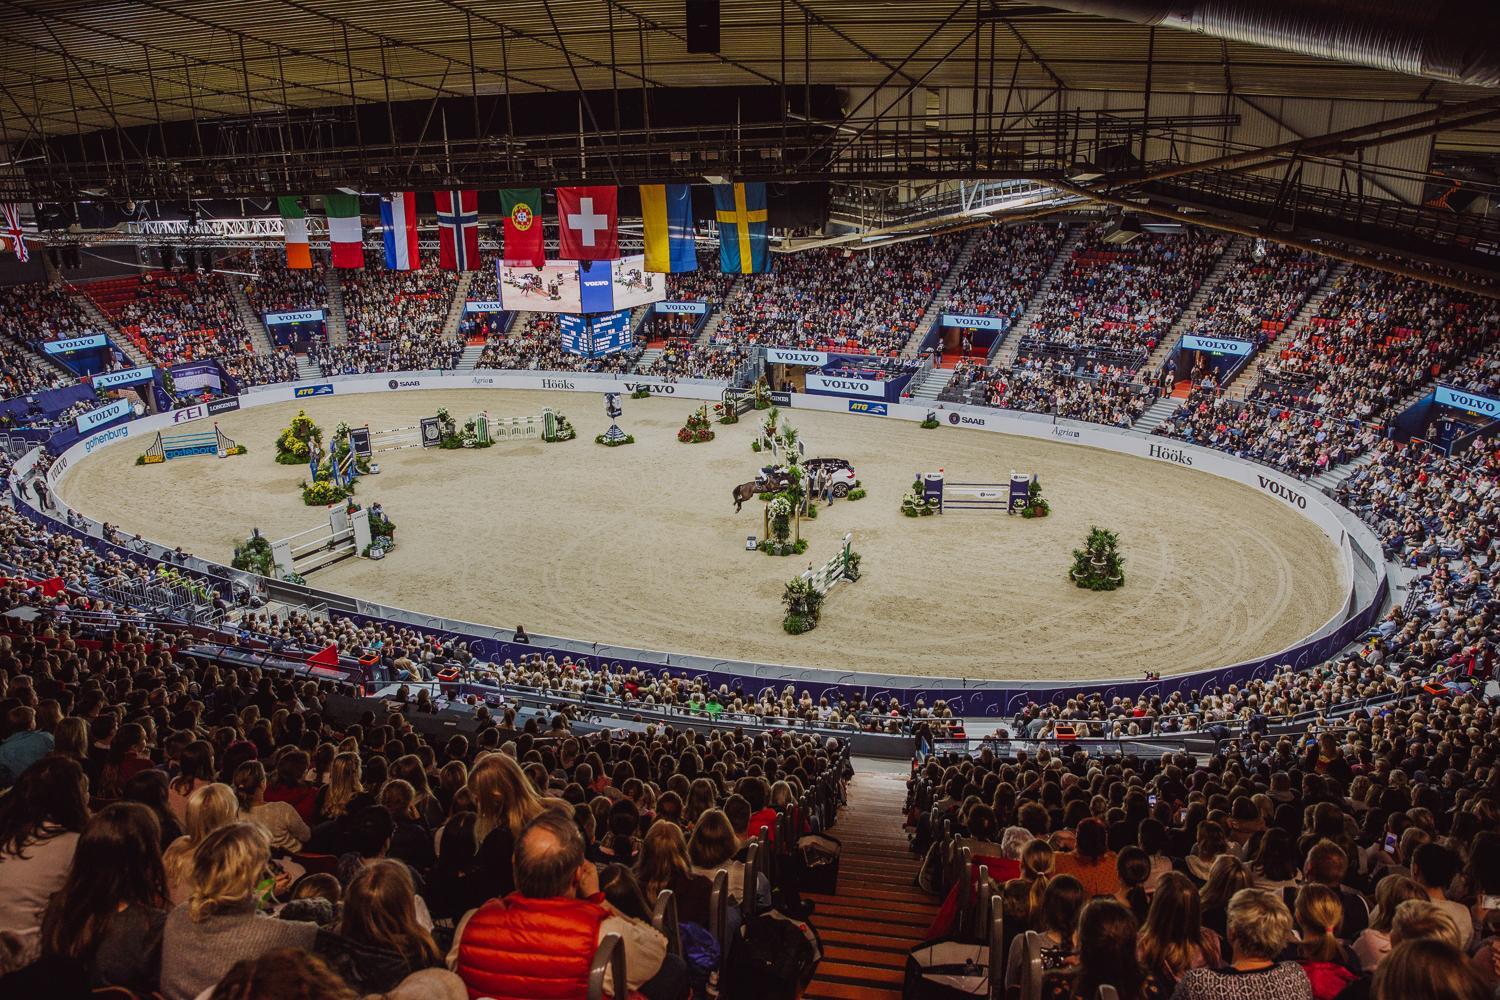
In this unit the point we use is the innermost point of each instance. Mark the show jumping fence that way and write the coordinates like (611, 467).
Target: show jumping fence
(167, 447)
(835, 569)
(426, 433)
(344, 535)
(539, 425)
(1006, 498)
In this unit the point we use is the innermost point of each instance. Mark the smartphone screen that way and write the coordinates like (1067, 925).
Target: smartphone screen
(1390, 843)
(1151, 800)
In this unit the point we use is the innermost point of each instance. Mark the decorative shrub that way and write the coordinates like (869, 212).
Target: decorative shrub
(1036, 505)
(627, 439)
(292, 446)
(641, 392)
(803, 603)
(697, 429)
(324, 492)
(912, 502)
(254, 556)
(565, 431)
(930, 423)
(855, 494)
(1098, 565)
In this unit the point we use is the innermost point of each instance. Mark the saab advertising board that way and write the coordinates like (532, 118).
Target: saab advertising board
(103, 415)
(1217, 345)
(75, 344)
(300, 316)
(1470, 402)
(130, 376)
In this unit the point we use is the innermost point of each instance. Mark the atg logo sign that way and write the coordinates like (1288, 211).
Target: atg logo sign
(873, 409)
(303, 391)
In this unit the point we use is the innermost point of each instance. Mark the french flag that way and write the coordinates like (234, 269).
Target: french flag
(398, 215)
(458, 230)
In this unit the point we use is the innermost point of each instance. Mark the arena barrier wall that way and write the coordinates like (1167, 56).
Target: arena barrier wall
(973, 697)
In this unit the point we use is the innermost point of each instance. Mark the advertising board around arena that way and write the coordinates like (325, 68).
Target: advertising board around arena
(786, 356)
(225, 405)
(103, 415)
(130, 376)
(183, 414)
(1217, 345)
(1471, 402)
(873, 409)
(846, 386)
(487, 306)
(304, 391)
(780, 398)
(74, 344)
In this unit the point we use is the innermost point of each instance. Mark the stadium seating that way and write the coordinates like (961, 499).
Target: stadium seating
(395, 321)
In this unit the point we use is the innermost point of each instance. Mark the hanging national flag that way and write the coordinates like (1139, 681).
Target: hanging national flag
(587, 223)
(667, 210)
(458, 230)
(522, 246)
(14, 232)
(345, 239)
(743, 237)
(398, 214)
(294, 224)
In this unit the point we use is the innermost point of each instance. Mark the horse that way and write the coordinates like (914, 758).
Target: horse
(749, 491)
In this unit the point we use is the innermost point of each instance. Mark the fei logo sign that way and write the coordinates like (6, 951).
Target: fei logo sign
(187, 413)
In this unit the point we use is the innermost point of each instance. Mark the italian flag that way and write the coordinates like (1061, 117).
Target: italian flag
(294, 224)
(344, 237)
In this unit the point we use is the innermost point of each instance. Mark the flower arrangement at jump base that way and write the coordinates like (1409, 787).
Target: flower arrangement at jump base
(725, 413)
(804, 595)
(914, 504)
(562, 430)
(295, 443)
(382, 531)
(1036, 504)
(697, 429)
(1098, 565)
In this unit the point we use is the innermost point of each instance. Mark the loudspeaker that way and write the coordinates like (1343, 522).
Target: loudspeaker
(703, 26)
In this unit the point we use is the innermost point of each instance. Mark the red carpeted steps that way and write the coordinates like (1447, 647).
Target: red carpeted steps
(879, 914)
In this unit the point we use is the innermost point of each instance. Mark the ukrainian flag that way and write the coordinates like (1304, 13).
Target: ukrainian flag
(667, 211)
(743, 236)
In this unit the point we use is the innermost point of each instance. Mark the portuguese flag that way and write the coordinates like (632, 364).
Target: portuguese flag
(344, 237)
(522, 210)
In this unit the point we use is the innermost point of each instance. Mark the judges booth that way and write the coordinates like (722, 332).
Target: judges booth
(1222, 356)
(297, 329)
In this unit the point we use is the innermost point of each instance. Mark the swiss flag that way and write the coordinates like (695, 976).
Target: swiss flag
(588, 223)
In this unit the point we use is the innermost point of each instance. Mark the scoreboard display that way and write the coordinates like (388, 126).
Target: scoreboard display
(597, 335)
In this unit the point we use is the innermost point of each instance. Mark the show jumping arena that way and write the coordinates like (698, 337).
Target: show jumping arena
(640, 545)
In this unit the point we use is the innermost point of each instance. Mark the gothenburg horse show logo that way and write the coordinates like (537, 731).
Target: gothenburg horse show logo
(521, 216)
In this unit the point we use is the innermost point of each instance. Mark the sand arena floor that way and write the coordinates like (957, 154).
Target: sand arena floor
(640, 545)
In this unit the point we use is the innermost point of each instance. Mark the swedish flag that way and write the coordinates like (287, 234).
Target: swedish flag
(743, 239)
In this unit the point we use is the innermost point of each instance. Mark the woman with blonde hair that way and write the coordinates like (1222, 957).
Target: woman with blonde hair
(380, 940)
(221, 923)
(208, 808)
(1428, 969)
(1319, 914)
(1374, 942)
(664, 864)
(504, 802)
(1036, 869)
(344, 783)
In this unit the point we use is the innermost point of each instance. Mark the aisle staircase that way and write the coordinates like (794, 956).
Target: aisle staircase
(879, 914)
(470, 359)
(1249, 377)
(1005, 355)
(307, 369)
(647, 359)
(1156, 414)
(335, 325)
(930, 383)
(716, 317)
(251, 321)
(1329, 479)
(456, 306)
(939, 301)
(1187, 320)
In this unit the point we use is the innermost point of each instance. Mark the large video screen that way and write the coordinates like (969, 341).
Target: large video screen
(632, 285)
(551, 289)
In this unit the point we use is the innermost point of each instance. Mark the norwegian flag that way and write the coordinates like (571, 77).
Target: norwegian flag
(458, 230)
(13, 230)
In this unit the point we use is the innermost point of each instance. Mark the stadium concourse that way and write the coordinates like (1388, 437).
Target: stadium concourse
(598, 315)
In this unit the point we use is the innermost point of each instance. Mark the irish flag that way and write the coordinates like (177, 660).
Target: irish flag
(294, 224)
(344, 237)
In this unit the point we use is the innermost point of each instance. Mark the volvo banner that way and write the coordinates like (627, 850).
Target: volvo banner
(1471, 402)
(682, 308)
(75, 344)
(786, 356)
(491, 306)
(846, 386)
(1217, 345)
(973, 322)
(300, 316)
(103, 415)
(130, 376)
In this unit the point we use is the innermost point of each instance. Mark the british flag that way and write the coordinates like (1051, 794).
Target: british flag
(13, 231)
(458, 230)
